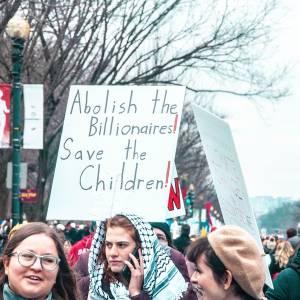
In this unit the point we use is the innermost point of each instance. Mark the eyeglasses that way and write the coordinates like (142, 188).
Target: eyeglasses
(28, 259)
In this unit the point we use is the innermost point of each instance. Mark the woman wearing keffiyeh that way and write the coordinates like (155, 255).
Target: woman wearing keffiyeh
(153, 274)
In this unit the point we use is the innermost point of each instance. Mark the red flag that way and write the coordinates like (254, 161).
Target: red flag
(5, 90)
(208, 206)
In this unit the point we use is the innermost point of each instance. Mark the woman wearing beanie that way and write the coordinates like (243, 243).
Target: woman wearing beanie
(228, 264)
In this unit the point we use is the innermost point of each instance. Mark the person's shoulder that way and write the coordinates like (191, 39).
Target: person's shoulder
(288, 274)
(295, 240)
(295, 237)
(81, 265)
(84, 257)
(176, 255)
(179, 261)
(180, 239)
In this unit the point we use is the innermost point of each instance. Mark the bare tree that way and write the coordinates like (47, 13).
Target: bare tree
(178, 42)
(7, 9)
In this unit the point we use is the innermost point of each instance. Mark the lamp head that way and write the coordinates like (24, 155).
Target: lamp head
(17, 27)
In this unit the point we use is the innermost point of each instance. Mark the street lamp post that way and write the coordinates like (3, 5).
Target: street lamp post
(18, 29)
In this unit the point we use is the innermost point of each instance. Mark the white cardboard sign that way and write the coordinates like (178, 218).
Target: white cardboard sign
(116, 152)
(226, 173)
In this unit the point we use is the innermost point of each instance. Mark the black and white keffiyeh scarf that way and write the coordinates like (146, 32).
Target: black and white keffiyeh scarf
(162, 280)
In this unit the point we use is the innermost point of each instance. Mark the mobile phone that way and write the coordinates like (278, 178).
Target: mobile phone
(126, 271)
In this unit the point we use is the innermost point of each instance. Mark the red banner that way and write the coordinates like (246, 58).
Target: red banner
(5, 90)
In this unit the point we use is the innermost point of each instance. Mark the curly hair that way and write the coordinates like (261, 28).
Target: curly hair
(284, 251)
(65, 287)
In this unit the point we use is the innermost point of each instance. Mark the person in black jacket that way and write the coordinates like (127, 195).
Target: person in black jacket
(183, 241)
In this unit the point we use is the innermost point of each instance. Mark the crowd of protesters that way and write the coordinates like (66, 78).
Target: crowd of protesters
(125, 257)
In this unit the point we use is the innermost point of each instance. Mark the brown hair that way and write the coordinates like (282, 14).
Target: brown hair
(123, 222)
(65, 286)
(203, 247)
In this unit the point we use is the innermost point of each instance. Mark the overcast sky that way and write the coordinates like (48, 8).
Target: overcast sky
(267, 135)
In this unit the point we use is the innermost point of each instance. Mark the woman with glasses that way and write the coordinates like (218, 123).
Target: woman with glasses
(33, 266)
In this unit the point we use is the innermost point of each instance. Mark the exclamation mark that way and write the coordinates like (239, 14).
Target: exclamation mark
(175, 123)
(167, 174)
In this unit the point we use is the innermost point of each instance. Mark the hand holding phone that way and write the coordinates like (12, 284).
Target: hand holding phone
(135, 277)
(126, 271)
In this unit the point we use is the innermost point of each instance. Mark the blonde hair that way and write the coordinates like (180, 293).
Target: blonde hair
(284, 251)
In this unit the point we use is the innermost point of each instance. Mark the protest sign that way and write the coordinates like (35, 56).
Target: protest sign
(116, 152)
(175, 206)
(226, 173)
